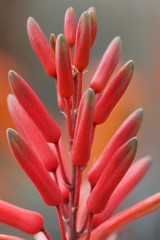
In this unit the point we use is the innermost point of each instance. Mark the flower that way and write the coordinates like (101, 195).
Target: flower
(84, 207)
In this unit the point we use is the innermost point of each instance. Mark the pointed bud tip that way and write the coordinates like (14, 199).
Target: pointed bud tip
(140, 113)
(91, 9)
(11, 134)
(52, 38)
(118, 40)
(11, 74)
(90, 96)
(133, 143)
(70, 9)
(61, 38)
(130, 64)
(85, 17)
(30, 21)
(148, 160)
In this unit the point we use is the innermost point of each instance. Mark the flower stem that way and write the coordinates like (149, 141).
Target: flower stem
(62, 230)
(77, 186)
(90, 217)
(64, 176)
(69, 119)
(73, 209)
(70, 54)
(79, 90)
(46, 234)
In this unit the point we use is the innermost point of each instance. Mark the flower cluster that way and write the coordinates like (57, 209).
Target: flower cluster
(84, 207)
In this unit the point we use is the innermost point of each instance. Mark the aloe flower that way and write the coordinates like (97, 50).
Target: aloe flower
(85, 205)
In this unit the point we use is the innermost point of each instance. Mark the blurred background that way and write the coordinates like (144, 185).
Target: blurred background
(137, 22)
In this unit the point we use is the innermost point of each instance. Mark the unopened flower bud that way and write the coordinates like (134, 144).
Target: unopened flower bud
(111, 176)
(135, 173)
(34, 107)
(83, 133)
(41, 47)
(93, 21)
(113, 93)
(27, 221)
(106, 65)
(52, 43)
(70, 26)
(64, 69)
(9, 237)
(127, 130)
(82, 45)
(35, 170)
(32, 134)
(130, 214)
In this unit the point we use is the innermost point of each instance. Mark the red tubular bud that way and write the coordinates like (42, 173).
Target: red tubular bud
(27, 221)
(9, 237)
(83, 132)
(64, 70)
(111, 176)
(32, 134)
(130, 180)
(34, 108)
(52, 43)
(35, 170)
(82, 45)
(70, 26)
(113, 93)
(138, 210)
(94, 27)
(127, 130)
(41, 47)
(106, 65)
